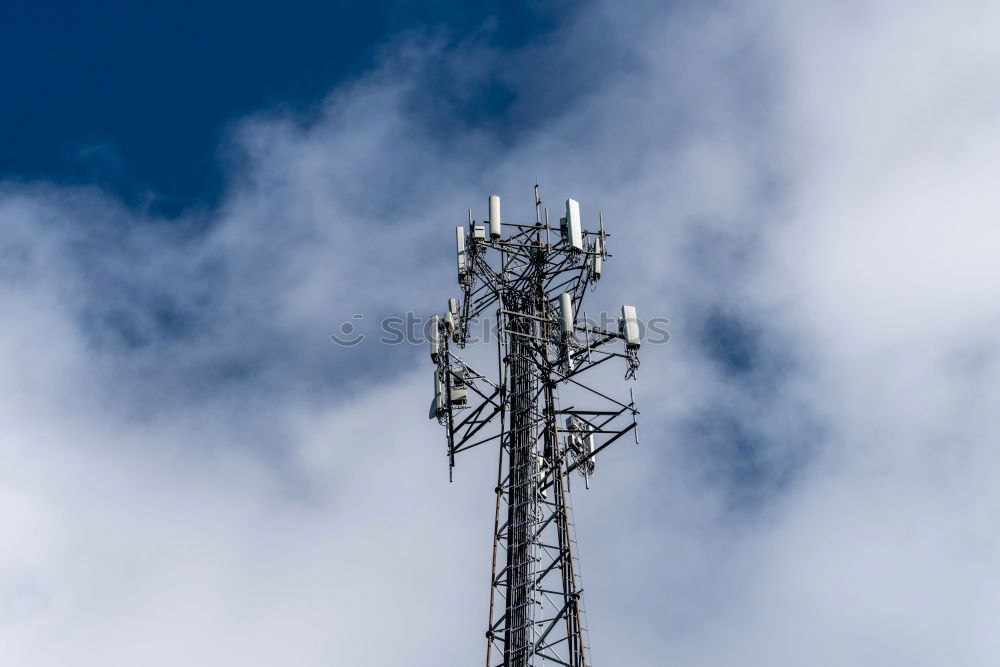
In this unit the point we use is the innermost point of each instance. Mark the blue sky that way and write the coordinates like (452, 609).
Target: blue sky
(137, 97)
(193, 200)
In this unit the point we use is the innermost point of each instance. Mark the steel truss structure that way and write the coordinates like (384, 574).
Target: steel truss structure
(534, 281)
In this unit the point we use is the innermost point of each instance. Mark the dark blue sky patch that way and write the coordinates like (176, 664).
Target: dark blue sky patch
(755, 439)
(565, 56)
(134, 319)
(731, 343)
(751, 356)
(136, 97)
(731, 453)
(734, 451)
(115, 329)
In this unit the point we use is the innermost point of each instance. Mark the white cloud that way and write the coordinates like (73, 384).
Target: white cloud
(206, 480)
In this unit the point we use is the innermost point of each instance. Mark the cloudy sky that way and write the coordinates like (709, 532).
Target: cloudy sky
(193, 199)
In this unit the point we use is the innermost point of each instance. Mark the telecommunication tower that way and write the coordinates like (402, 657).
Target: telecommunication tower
(533, 279)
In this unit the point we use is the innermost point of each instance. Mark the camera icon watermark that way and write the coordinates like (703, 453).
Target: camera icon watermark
(349, 335)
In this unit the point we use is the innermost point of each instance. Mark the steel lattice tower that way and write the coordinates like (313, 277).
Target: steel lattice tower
(534, 281)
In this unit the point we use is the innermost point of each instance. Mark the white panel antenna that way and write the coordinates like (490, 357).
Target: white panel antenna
(573, 225)
(566, 313)
(630, 327)
(437, 404)
(494, 216)
(460, 251)
(434, 336)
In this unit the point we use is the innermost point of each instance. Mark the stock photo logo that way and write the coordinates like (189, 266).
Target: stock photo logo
(413, 329)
